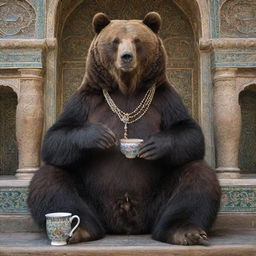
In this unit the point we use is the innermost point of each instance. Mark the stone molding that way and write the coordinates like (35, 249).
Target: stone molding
(221, 74)
(47, 43)
(226, 43)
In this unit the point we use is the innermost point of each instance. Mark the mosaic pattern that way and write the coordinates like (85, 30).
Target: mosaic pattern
(238, 199)
(13, 200)
(8, 145)
(71, 81)
(181, 79)
(21, 19)
(21, 58)
(176, 33)
(247, 154)
(234, 199)
(242, 22)
(234, 58)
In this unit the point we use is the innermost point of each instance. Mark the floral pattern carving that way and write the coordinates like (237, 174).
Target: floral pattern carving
(234, 199)
(13, 200)
(238, 18)
(16, 17)
(238, 199)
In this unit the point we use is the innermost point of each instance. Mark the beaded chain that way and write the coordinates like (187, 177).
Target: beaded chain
(136, 114)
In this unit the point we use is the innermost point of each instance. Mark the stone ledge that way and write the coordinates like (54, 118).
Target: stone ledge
(24, 223)
(224, 43)
(47, 43)
(223, 243)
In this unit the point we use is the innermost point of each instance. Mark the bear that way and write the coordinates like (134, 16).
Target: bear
(168, 190)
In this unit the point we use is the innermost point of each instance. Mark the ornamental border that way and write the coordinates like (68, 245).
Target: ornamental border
(235, 199)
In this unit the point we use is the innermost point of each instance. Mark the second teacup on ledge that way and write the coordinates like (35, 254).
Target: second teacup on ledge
(130, 147)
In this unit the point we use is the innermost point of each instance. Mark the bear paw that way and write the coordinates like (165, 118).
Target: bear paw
(80, 235)
(189, 235)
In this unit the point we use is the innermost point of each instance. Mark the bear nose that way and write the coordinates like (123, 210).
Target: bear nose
(127, 57)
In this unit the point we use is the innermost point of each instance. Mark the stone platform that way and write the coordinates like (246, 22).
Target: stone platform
(223, 243)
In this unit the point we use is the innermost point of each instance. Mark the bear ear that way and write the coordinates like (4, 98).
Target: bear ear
(100, 21)
(153, 21)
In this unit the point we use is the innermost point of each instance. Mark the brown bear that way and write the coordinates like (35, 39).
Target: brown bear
(168, 190)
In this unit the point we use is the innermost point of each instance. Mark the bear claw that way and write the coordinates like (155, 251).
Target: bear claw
(189, 236)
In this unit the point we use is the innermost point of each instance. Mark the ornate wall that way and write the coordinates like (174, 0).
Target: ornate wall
(211, 49)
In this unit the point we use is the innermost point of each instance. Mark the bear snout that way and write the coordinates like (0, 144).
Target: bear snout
(126, 57)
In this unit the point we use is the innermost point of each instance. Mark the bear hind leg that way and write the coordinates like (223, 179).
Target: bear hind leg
(53, 190)
(191, 206)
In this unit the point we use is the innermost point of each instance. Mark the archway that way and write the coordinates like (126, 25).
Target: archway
(247, 151)
(8, 146)
(75, 34)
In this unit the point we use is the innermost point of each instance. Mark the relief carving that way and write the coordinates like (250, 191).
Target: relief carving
(16, 18)
(238, 18)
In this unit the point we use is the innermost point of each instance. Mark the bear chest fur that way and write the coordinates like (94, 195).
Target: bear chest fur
(122, 185)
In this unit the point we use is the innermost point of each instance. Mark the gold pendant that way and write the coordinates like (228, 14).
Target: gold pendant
(125, 131)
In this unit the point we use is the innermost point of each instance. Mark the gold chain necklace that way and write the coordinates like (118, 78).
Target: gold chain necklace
(136, 114)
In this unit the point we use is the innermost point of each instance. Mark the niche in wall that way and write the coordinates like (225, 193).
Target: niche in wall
(8, 145)
(247, 154)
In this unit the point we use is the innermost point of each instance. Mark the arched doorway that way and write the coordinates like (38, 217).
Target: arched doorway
(8, 146)
(75, 34)
(247, 152)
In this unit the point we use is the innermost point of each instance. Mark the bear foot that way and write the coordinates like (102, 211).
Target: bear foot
(80, 235)
(189, 235)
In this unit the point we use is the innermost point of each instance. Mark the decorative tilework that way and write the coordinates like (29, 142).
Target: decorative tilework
(22, 19)
(13, 200)
(21, 58)
(215, 17)
(238, 199)
(234, 58)
(234, 199)
(233, 18)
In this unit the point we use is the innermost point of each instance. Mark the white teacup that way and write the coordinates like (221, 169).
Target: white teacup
(130, 147)
(58, 227)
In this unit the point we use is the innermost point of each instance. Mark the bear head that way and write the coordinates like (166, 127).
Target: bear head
(125, 54)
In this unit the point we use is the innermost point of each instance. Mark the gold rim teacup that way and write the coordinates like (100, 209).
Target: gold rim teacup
(130, 147)
(58, 227)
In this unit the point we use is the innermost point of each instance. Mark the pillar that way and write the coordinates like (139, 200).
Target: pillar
(29, 122)
(227, 122)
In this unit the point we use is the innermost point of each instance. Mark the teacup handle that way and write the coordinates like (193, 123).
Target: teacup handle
(77, 224)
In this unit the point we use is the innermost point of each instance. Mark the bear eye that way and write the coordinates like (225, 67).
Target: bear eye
(116, 41)
(136, 40)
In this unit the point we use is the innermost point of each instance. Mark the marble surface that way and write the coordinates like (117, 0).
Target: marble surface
(223, 242)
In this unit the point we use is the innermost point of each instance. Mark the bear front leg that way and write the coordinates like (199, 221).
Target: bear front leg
(53, 190)
(176, 146)
(190, 205)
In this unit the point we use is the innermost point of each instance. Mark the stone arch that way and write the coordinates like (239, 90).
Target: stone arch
(178, 34)
(198, 9)
(247, 150)
(8, 144)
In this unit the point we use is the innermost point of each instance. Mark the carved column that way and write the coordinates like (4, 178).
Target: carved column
(227, 122)
(29, 121)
